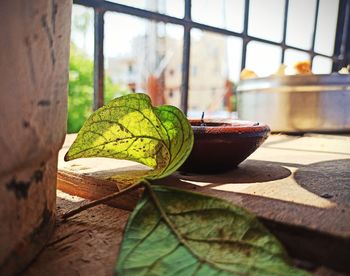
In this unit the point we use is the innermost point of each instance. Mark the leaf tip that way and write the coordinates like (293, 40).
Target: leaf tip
(66, 157)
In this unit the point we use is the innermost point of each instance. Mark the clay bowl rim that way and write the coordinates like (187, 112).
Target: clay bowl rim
(233, 127)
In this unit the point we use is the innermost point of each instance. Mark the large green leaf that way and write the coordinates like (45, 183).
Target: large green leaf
(130, 128)
(174, 232)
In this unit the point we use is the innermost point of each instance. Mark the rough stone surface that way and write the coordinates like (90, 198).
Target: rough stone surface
(34, 46)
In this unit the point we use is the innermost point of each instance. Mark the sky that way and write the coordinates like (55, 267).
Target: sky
(265, 21)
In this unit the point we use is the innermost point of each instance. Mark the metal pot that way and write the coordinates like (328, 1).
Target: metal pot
(300, 103)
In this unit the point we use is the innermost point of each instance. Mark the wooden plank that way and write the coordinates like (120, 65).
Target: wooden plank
(87, 244)
(289, 183)
(89, 177)
(88, 187)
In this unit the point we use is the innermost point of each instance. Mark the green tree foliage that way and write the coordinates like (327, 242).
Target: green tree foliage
(80, 90)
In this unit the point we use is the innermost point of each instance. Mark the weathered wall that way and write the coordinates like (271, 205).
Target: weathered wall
(34, 50)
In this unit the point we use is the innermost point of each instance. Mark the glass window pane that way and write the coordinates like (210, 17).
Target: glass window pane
(321, 65)
(175, 8)
(227, 14)
(172, 64)
(264, 59)
(119, 40)
(170, 7)
(301, 17)
(146, 57)
(214, 60)
(234, 57)
(82, 27)
(266, 19)
(80, 87)
(292, 56)
(326, 26)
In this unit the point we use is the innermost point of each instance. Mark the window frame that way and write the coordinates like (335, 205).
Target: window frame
(340, 57)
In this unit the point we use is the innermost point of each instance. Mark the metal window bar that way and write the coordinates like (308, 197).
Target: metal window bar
(340, 56)
(315, 28)
(342, 39)
(285, 21)
(98, 58)
(245, 34)
(186, 58)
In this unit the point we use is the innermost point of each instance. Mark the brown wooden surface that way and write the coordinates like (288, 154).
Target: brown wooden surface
(297, 186)
(88, 244)
(84, 245)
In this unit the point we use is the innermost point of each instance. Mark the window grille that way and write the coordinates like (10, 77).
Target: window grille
(340, 57)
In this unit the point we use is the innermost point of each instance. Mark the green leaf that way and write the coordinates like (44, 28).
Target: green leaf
(174, 232)
(179, 135)
(130, 128)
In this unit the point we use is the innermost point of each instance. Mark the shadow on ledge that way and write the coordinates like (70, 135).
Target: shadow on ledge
(328, 179)
(250, 171)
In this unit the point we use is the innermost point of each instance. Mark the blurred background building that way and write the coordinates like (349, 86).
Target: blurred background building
(147, 56)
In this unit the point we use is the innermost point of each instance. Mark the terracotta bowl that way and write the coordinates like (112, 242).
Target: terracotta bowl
(221, 145)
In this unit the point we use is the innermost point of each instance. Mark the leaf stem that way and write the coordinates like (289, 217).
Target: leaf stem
(99, 201)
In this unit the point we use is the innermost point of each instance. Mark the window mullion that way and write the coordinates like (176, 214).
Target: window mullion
(98, 59)
(186, 57)
(285, 22)
(245, 34)
(314, 32)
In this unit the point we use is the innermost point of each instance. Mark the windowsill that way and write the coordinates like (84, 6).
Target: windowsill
(284, 182)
